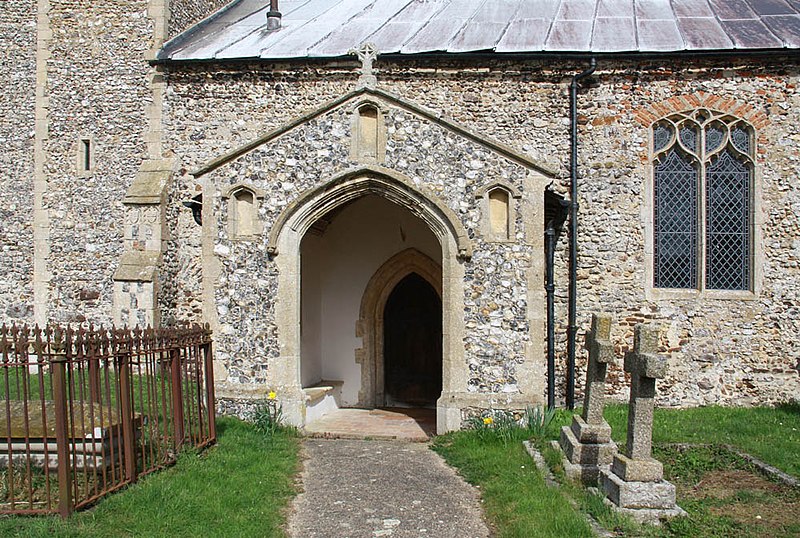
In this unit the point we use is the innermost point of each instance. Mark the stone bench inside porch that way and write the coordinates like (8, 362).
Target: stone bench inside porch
(322, 398)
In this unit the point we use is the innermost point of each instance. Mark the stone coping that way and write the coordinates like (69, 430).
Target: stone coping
(90, 421)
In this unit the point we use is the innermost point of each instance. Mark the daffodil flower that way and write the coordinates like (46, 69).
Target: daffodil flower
(272, 395)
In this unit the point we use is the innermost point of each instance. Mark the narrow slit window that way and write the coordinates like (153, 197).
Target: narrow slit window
(498, 213)
(86, 155)
(244, 208)
(368, 131)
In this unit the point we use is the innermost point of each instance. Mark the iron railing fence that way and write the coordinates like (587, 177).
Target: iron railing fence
(86, 411)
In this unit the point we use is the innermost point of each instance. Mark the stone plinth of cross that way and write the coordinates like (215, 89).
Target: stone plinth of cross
(645, 365)
(367, 53)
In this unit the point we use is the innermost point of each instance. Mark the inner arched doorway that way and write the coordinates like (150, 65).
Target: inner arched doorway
(372, 323)
(412, 344)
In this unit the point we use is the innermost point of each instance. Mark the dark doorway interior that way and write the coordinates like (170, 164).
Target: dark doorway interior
(412, 344)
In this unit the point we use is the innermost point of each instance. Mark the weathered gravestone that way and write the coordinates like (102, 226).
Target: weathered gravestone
(635, 483)
(587, 444)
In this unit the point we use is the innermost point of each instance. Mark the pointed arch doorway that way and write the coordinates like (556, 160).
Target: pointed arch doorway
(412, 345)
(295, 368)
(400, 322)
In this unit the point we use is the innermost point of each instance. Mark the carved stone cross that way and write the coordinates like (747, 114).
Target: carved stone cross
(601, 354)
(367, 53)
(635, 483)
(587, 443)
(645, 366)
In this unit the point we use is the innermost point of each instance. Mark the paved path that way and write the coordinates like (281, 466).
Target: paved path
(382, 424)
(368, 489)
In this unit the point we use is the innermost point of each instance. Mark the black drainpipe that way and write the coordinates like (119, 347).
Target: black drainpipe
(572, 327)
(552, 232)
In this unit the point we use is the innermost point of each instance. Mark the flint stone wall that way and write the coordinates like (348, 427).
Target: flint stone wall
(17, 109)
(98, 88)
(722, 351)
(185, 13)
(727, 351)
(439, 163)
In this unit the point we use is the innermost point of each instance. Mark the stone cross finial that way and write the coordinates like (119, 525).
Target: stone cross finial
(601, 354)
(367, 53)
(645, 366)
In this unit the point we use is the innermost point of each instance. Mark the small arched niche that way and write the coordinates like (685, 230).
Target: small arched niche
(498, 213)
(243, 202)
(498, 210)
(369, 137)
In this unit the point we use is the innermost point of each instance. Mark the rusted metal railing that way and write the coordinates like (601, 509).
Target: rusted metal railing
(84, 412)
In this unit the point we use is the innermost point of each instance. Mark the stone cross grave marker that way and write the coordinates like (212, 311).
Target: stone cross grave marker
(635, 481)
(601, 354)
(367, 53)
(645, 366)
(587, 443)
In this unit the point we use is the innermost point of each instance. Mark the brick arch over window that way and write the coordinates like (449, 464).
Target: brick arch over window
(681, 103)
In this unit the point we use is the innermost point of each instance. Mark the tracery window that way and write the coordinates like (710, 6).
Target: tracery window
(703, 167)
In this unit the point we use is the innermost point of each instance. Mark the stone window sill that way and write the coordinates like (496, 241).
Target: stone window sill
(687, 294)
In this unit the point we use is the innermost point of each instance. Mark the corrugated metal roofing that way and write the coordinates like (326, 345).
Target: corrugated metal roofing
(329, 28)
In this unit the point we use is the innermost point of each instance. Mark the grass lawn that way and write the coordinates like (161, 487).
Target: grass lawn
(770, 434)
(516, 500)
(240, 487)
(724, 495)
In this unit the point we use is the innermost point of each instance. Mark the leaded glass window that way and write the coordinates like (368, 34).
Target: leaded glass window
(676, 222)
(703, 176)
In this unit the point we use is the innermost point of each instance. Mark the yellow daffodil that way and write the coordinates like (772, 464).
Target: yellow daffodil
(488, 421)
(272, 395)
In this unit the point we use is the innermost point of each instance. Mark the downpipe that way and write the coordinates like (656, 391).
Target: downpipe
(572, 327)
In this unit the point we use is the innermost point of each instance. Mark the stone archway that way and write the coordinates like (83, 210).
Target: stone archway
(284, 246)
(370, 326)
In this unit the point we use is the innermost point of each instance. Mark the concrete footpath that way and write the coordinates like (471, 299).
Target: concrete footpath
(355, 488)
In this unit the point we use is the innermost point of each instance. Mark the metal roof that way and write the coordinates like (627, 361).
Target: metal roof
(329, 28)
